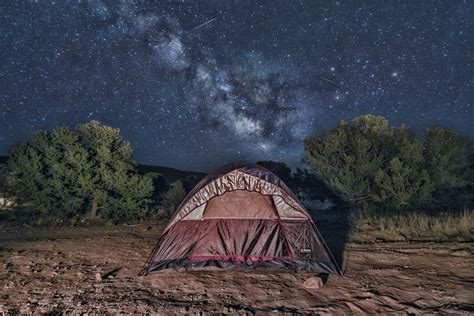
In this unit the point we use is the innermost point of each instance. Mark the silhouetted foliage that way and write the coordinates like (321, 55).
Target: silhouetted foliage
(279, 168)
(307, 185)
(189, 182)
(369, 163)
(65, 173)
(450, 162)
(3, 183)
(174, 196)
(159, 183)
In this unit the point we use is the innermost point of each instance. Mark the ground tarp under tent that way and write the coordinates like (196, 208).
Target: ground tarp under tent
(242, 216)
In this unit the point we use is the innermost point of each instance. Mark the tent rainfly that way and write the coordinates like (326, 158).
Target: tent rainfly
(242, 216)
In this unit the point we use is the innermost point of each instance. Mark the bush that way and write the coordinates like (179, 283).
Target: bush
(64, 173)
(368, 163)
(174, 196)
(449, 160)
(159, 183)
(280, 169)
(49, 173)
(190, 182)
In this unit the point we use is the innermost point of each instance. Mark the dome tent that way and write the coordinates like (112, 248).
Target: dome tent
(242, 216)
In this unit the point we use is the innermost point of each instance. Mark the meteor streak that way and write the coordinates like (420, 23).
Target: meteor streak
(205, 23)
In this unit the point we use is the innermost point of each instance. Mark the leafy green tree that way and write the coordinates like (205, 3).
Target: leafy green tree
(402, 182)
(116, 189)
(64, 173)
(367, 162)
(449, 157)
(47, 171)
(449, 160)
(174, 196)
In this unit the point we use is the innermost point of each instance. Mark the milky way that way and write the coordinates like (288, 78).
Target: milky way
(197, 84)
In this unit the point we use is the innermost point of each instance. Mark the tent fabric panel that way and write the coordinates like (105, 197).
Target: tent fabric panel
(249, 168)
(234, 180)
(304, 241)
(240, 204)
(296, 265)
(199, 197)
(285, 210)
(196, 214)
(223, 237)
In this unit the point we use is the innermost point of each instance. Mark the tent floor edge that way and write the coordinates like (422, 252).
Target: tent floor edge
(281, 265)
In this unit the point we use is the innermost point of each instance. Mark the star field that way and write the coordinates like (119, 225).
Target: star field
(196, 84)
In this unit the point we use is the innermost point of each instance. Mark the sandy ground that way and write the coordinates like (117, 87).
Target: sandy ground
(65, 270)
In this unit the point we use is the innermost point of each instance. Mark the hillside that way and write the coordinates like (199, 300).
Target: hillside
(170, 174)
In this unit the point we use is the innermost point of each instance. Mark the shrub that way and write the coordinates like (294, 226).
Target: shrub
(280, 169)
(449, 160)
(159, 183)
(49, 172)
(65, 173)
(190, 182)
(367, 162)
(174, 196)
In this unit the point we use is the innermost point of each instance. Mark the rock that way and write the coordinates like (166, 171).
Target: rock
(98, 276)
(44, 302)
(365, 226)
(313, 283)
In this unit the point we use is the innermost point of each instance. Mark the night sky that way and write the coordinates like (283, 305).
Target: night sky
(196, 84)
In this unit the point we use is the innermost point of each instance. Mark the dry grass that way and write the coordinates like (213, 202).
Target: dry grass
(442, 227)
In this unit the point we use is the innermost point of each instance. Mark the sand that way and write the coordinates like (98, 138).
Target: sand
(95, 269)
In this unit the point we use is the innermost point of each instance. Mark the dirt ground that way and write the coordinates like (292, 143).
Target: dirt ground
(94, 269)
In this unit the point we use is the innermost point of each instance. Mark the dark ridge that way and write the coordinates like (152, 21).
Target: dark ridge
(170, 174)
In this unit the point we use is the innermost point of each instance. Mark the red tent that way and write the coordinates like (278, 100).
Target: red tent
(242, 216)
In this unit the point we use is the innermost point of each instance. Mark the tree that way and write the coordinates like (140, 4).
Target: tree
(367, 162)
(65, 173)
(449, 159)
(159, 183)
(47, 172)
(309, 186)
(281, 169)
(116, 189)
(189, 182)
(174, 196)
